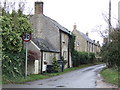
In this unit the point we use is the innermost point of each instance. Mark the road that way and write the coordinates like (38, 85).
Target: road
(82, 78)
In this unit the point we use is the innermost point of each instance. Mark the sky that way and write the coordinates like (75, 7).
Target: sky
(86, 14)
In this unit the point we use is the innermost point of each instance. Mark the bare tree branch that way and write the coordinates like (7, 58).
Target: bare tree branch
(22, 5)
(100, 31)
(105, 17)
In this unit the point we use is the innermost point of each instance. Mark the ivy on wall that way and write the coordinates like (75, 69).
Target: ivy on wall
(79, 58)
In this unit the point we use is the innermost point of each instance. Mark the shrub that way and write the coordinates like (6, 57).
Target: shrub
(91, 57)
(55, 65)
(75, 58)
(80, 58)
(13, 64)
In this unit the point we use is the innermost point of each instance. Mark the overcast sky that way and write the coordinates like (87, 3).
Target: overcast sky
(87, 14)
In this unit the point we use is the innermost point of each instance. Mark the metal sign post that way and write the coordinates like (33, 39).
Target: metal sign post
(26, 37)
(26, 59)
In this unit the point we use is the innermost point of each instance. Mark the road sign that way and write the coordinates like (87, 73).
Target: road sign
(26, 59)
(26, 37)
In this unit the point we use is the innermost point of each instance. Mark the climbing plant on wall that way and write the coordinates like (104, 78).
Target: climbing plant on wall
(79, 58)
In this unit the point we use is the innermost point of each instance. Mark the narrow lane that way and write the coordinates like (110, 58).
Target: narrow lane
(82, 78)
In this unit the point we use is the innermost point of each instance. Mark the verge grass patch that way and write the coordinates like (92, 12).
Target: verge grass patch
(110, 76)
(42, 76)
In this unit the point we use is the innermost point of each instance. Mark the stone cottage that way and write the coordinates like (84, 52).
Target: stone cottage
(49, 40)
(83, 43)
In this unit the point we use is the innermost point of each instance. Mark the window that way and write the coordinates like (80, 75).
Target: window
(78, 43)
(65, 54)
(45, 56)
(63, 38)
(54, 54)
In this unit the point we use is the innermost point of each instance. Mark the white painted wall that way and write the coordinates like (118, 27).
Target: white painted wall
(36, 68)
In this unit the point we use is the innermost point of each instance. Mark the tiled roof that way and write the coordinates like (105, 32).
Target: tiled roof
(86, 37)
(41, 42)
(55, 23)
(44, 45)
(58, 25)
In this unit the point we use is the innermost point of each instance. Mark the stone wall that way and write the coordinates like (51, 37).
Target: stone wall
(46, 30)
(64, 43)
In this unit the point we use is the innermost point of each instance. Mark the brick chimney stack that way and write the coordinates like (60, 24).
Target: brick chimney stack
(39, 7)
(105, 40)
(97, 42)
(86, 33)
(75, 27)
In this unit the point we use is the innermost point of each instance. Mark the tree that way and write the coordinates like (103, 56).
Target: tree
(111, 50)
(55, 65)
(13, 54)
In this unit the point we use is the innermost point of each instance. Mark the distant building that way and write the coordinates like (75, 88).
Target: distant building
(105, 40)
(50, 40)
(83, 43)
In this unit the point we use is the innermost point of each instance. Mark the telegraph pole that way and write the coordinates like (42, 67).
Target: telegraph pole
(109, 21)
(109, 30)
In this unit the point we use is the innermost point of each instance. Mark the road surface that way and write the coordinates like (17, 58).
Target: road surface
(82, 78)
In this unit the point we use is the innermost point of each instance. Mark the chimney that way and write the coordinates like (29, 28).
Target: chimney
(86, 33)
(39, 7)
(75, 27)
(105, 40)
(97, 42)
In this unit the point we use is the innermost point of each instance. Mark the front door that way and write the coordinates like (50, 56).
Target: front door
(36, 66)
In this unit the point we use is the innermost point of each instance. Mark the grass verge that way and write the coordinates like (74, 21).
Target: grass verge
(110, 76)
(42, 76)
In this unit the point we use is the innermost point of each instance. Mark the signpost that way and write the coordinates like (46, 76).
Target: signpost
(26, 37)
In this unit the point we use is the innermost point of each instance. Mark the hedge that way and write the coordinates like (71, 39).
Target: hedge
(80, 58)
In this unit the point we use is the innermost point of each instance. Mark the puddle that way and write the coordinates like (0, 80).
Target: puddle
(53, 80)
(88, 70)
(60, 86)
(40, 84)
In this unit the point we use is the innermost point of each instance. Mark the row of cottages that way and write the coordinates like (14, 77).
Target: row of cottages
(84, 44)
(49, 40)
